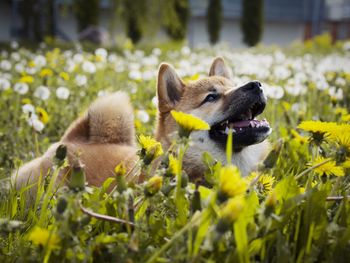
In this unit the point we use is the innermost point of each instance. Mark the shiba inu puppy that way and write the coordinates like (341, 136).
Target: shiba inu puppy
(104, 136)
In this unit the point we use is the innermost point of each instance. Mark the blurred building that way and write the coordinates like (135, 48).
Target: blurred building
(286, 21)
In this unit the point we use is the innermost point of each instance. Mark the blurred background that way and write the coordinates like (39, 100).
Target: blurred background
(199, 23)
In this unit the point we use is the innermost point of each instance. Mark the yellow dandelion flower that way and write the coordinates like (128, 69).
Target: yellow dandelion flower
(298, 137)
(192, 78)
(188, 123)
(153, 185)
(231, 183)
(346, 164)
(251, 177)
(46, 72)
(330, 75)
(341, 111)
(26, 101)
(302, 189)
(174, 165)
(128, 45)
(64, 75)
(320, 130)
(26, 79)
(150, 148)
(233, 209)
(345, 118)
(286, 106)
(31, 64)
(329, 168)
(120, 169)
(264, 182)
(317, 126)
(98, 58)
(43, 116)
(341, 134)
(43, 237)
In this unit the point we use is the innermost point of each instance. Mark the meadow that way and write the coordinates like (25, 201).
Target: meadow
(294, 208)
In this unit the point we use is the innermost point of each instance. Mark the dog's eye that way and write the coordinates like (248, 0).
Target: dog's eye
(211, 97)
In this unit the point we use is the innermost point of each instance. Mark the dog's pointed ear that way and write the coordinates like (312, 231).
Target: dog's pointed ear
(219, 68)
(169, 88)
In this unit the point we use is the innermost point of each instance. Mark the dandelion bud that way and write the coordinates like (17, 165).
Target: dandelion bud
(120, 171)
(184, 179)
(150, 149)
(166, 189)
(196, 201)
(61, 205)
(77, 178)
(173, 166)
(153, 185)
(270, 204)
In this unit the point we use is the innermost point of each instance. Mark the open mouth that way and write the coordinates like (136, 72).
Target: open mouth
(246, 129)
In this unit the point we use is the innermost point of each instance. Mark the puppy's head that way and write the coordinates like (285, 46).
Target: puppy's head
(215, 100)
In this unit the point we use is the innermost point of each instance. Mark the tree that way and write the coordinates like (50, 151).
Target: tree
(133, 19)
(214, 20)
(252, 21)
(86, 12)
(176, 18)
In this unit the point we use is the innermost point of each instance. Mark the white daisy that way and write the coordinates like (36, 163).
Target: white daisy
(142, 116)
(21, 88)
(4, 84)
(62, 93)
(89, 67)
(80, 80)
(42, 92)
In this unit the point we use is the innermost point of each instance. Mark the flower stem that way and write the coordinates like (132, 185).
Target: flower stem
(311, 168)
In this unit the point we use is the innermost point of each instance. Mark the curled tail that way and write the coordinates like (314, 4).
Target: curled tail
(109, 119)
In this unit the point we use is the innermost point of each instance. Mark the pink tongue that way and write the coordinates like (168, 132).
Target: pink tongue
(241, 124)
(246, 123)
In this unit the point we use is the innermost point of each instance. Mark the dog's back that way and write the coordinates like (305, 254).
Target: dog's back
(100, 139)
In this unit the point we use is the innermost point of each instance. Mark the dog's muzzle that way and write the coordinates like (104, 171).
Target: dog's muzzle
(240, 111)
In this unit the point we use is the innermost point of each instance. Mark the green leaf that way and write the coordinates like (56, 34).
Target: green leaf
(142, 209)
(241, 237)
(202, 231)
(182, 206)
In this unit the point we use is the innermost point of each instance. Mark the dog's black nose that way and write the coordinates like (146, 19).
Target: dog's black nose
(253, 86)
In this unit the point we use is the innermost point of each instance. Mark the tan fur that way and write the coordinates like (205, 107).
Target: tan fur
(99, 140)
(104, 136)
(191, 97)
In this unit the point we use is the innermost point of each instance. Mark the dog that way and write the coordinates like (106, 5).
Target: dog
(104, 136)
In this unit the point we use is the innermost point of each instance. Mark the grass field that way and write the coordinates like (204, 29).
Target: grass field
(293, 209)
